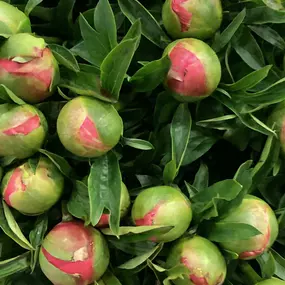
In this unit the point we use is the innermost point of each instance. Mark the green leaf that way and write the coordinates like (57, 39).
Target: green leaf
(93, 39)
(224, 38)
(151, 29)
(151, 75)
(249, 81)
(11, 228)
(104, 22)
(264, 15)
(248, 49)
(274, 4)
(79, 203)
(199, 144)
(59, 162)
(137, 143)
(115, 65)
(31, 4)
(140, 260)
(227, 232)
(178, 272)
(104, 186)
(169, 172)
(80, 49)
(269, 35)
(36, 238)
(14, 265)
(8, 96)
(267, 264)
(65, 57)
(202, 177)
(110, 279)
(279, 264)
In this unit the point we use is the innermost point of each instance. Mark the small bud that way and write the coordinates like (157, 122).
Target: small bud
(74, 254)
(88, 127)
(165, 206)
(33, 191)
(202, 258)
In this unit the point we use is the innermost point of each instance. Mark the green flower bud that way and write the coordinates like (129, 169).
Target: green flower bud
(73, 254)
(272, 281)
(195, 70)
(124, 206)
(22, 130)
(193, 19)
(31, 189)
(28, 67)
(255, 212)
(203, 259)
(165, 206)
(12, 20)
(88, 127)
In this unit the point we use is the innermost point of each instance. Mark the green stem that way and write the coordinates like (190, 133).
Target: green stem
(250, 275)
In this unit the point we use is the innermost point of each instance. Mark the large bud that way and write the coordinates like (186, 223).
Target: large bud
(272, 281)
(257, 213)
(195, 70)
(202, 258)
(88, 127)
(12, 20)
(165, 206)
(192, 19)
(33, 188)
(124, 206)
(28, 68)
(22, 130)
(277, 120)
(73, 254)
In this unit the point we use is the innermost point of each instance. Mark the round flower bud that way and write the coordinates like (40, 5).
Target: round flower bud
(22, 130)
(12, 20)
(28, 67)
(88, 127)
(33, 189)
(202, 258)
(124, 206)
(165, 206)
(257, 213)
(192, 19)
(195, 70)
(74, 254)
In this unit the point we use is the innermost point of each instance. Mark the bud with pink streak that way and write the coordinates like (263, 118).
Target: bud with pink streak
(28, 67)
(195, 70)
(72, 254)
(192, 18)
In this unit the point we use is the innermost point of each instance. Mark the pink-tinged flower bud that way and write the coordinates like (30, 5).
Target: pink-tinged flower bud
(22, 130)
(257, 213)
(192, 18)
(195, 70)
(72, 254)
(277, 121)
(28, 67)
(12, 20)
(88, 127)
(272, 281)
(163, 206)
(33, 191)
(202, 258)
(124, 206)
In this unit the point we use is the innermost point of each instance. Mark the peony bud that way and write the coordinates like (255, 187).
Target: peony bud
(33, 191)
(22, 130)
(124, 206)
(192, 19)
(73, 254)
(195, 70)
(165, 206)
(88, 127)
(202, 258)
(12, 20)
(28, 68)
(257, 213)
